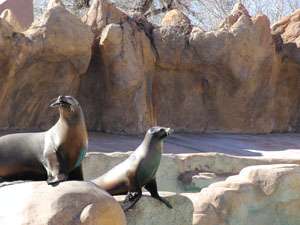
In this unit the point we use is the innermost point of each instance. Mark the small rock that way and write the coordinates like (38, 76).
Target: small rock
(175, 17)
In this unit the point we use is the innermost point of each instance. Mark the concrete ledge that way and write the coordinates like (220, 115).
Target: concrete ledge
(181, 173)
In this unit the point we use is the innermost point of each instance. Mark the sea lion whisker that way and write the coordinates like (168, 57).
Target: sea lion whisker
(52, 100)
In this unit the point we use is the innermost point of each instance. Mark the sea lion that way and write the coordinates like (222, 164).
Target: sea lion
(138, 170)
(51, 155)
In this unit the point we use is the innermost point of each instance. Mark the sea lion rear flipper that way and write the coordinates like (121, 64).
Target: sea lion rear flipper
(152, 188)
(133, 195)
(53, 163)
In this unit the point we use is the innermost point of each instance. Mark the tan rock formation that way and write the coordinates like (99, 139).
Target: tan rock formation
(102, 13)
(8, 15)
(237, 11)
(71, 202)
(127, 61)
(288, 27)
(55, 3)
(218, 77)
(175, 17)
(258, 195)
(237, 79)
(38, 65)
(150, 211)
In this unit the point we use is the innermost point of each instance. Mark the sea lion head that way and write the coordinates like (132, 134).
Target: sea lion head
(68, 106)
(159, 132)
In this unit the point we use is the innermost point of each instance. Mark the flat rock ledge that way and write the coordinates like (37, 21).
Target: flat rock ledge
(150, 211)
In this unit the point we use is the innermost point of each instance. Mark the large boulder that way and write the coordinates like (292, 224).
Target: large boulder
(175, 17)
(266, 194)
(70, 202)
(289, 28)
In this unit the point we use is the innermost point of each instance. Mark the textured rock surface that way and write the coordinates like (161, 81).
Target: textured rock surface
(39, 64)
(8, 15)
(289, 28)
(230, 87)
(149, 211)
(241, 78)
(70, 202)
(258, 195)
(237, 79)
(180, 172)
(125, 74)
(175, 17)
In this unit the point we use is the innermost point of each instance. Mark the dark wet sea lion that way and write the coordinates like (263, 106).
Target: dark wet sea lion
(138, 170)
(53, 155)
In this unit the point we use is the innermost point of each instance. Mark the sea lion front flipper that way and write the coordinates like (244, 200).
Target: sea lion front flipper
(133, 195)
(76, 174)
(152, 188)
(53, 163)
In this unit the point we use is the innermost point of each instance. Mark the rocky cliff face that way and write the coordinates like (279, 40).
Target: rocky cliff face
(129, 74)
(39, 64)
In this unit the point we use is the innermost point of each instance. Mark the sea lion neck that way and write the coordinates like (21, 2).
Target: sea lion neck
(71, 118)
(153, 142)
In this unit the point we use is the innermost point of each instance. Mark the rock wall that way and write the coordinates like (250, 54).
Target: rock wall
(129, 74)
(39, 64)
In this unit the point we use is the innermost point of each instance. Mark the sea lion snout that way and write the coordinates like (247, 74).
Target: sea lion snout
(169, 131)
(63, 101)
(60, 98)
(160, 132)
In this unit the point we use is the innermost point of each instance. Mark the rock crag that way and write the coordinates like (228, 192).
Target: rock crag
(40, 63)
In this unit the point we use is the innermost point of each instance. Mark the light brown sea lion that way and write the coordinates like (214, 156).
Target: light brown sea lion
(51, 155)
(138, 170)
